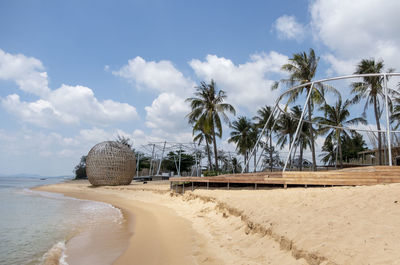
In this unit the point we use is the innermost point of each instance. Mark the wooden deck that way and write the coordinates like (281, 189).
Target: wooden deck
(371, 175)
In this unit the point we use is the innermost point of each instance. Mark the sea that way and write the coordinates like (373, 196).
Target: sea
(37, 228)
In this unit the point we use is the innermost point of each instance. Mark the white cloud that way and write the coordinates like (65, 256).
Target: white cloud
(65, 105)
(288, 28)
(26, 72)
(80, 103)
(358, 29)
(40, 112)
(247, 85)
(167, 118)
(168, 112)
(339, 66)
(69, 105)
(159, 76)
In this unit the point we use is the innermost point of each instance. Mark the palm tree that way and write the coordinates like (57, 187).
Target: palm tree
(199, 138)
(371, 89)
(304, 134)
(236, 167)
(261, 119)
(241, 136)
(330, 151)
(254, 134)
(337, 115)
(207, 107)
(302, 68)
(286, 127)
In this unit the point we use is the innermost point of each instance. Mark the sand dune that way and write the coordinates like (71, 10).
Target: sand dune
(341, 225)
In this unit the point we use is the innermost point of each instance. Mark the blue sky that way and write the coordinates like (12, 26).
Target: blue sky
(73, 73)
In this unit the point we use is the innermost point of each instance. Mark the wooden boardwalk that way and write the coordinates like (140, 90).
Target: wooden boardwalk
(371, 175)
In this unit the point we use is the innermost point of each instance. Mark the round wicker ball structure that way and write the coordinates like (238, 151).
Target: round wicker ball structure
(110, 163)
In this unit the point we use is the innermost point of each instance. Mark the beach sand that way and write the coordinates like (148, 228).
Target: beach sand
(338, 225)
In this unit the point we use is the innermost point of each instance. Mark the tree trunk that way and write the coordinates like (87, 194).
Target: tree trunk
(314, 163)
(290, 157)
(209, 155)
(215, 149)
(378, 126)
(270, 152)
(245, 162)
(340, 149)
(301, 156)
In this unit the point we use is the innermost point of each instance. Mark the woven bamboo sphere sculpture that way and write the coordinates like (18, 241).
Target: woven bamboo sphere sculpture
(109, 164)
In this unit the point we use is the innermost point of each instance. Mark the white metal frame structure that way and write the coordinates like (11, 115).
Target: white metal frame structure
(279, 110)
(157, 151)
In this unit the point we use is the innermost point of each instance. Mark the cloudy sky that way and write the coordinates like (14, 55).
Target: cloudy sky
(74, 73)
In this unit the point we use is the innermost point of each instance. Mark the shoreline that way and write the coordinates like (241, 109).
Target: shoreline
(151, 228)
(324, 226)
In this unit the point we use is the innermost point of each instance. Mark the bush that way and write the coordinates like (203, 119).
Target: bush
(80, 169)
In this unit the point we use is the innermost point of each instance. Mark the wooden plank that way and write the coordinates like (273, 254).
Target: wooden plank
(350, 176)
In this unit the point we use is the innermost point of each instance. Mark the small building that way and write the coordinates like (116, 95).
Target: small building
(370, 157)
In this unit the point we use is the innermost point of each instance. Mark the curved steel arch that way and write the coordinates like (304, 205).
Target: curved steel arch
(301, 120)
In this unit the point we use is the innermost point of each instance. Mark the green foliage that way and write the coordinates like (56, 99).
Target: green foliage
(144, 161)
(328, 157)
(80, 169)
(352, 145)
(371, 89)
(302, 68)
(210, 173)
(241, 134)
(171, 161)
(207, 109)
(337, 115)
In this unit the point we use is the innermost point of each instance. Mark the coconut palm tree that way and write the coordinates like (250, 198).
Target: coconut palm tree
(241, 136)
(337, 115)
(207, 107)
(236, 167)
(199, 138)
(260, 120)
(372, 90)
(304, 134)
(302, 68)
(285, 127)
(330, 150)
(254, 134)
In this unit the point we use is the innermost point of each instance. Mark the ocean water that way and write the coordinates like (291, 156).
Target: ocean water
(35, 227)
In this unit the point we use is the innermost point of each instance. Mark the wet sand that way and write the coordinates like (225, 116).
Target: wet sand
(156, 234)
(339, 225)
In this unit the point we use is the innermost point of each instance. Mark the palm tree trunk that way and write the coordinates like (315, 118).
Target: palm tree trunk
(245, 161)
(314, 163)
(209, 155)
(290, 142)
(378, 126)
(270, 153)
(340, 149)
(215, 149)
(301, 156)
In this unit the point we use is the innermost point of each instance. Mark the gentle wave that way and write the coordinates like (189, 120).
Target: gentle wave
(55, 255)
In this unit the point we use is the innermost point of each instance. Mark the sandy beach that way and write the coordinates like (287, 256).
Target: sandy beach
(338, 225)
